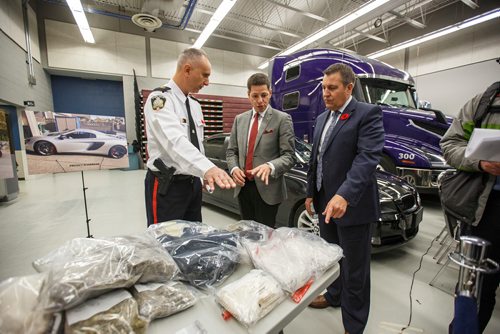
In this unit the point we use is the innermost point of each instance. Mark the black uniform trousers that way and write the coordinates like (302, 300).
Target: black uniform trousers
(182, 200)
(253, 207)
(351, 291)
(488, 229)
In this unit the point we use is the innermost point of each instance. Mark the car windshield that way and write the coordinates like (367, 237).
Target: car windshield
(303, 150)
(387, 92)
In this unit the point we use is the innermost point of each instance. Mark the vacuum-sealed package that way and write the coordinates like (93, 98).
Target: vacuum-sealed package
(251, 297)
(159, 300)
(293, 256)
(19, 306)
(114, 312)
(85, 267)
(205, 260)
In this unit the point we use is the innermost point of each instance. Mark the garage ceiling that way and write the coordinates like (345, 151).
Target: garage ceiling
(266, 27)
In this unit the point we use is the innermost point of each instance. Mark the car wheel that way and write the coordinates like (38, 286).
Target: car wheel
(304, 221)
(387, 165)
(45, 148)
(117, 151)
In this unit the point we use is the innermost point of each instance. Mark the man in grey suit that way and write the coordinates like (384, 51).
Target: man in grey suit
(261, 150)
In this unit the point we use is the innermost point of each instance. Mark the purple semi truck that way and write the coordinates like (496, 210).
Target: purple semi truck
(412, 135)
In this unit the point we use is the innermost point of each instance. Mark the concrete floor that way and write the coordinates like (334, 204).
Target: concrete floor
(50, 210)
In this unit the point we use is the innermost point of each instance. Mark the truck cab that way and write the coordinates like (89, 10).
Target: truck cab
(412, 135)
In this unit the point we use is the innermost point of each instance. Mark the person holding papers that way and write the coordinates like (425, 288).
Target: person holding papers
(487, 223)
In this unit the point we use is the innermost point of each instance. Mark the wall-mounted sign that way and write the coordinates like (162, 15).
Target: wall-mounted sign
(29, 103)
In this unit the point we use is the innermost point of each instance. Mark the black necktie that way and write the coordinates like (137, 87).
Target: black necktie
(192, 129)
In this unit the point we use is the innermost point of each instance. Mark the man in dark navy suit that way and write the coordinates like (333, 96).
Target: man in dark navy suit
(348, 143)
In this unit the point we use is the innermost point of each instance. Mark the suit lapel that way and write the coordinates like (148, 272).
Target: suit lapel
(263, 125)
(341, 122)
(320, 125)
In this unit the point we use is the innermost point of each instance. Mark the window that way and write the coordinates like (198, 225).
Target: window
(387, 92)
(291, 101)
(80, 135)
(292, 73)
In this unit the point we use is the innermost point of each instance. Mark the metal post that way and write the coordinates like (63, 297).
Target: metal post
(86, 211)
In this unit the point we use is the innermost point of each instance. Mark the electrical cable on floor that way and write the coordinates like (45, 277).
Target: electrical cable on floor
(413, 280)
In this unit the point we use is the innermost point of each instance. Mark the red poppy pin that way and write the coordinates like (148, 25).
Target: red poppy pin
(343, 117)
(203, 121)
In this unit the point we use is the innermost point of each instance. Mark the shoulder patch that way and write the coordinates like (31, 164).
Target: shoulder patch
(162, 89)
(158, 102)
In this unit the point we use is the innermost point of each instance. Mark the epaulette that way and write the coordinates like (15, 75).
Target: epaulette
(194, 98)
(162, 89)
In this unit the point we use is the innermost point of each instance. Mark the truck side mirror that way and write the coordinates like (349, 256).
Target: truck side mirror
(424, 104)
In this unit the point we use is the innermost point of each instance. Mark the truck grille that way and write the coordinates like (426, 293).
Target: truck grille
(406, 202)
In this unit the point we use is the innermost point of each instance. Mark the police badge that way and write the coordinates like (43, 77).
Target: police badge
(158, 102)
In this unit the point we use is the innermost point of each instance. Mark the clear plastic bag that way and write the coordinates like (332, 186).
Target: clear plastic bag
(149, 259)
(19, 306)
(293, 256)
(175, 229)
(114, 312)
(195, 328)
(251, 297)
(161, 300)
(205, 260)
(85, 267)
(249, 230)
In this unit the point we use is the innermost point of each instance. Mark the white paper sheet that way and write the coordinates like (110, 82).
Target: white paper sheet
(484, 144)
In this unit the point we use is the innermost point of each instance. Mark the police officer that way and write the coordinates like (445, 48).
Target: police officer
(174, 128)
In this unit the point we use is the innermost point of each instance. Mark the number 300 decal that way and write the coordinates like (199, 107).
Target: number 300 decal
(406, 156)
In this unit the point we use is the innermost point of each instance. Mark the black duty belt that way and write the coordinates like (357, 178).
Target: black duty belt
(182, 177)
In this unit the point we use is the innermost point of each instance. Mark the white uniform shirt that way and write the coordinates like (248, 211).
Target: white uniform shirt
(167, 130)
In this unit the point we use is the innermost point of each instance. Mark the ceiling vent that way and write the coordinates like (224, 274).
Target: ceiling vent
(147, 21)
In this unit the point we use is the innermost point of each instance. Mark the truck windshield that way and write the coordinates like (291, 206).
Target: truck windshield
(387, 92)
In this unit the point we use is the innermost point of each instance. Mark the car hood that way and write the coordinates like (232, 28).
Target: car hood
(389, 185)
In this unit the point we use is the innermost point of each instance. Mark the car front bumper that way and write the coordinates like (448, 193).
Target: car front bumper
(396, 229)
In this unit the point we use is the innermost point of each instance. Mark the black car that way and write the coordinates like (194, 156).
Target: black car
(399, 201)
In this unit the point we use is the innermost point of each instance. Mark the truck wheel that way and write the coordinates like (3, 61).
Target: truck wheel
(387, 165)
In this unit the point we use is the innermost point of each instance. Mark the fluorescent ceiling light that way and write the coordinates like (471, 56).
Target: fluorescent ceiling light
(81, 20)
(218, 16)
(337, 24)
(439, 33)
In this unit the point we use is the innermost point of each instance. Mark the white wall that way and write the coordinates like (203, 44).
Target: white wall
(450, 70)
(119, 53)
(113, 52)
(11, 23)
